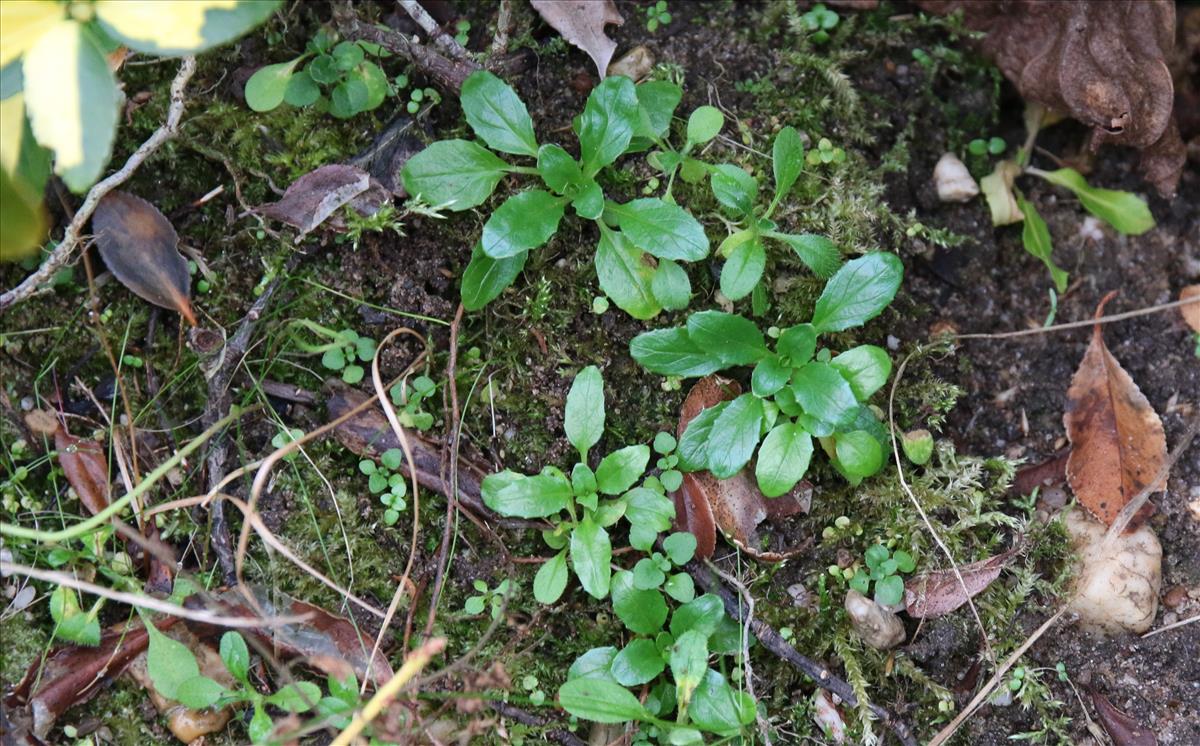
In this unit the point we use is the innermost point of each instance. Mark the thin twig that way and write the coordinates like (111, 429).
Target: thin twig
(744, 592)
(70, 240)
(987, 647)
(148, 602)
(946, 733)
(503, 24)
(413, 664)
(1085, 322)
(443, 41)
(1180, 623)
(447, 73)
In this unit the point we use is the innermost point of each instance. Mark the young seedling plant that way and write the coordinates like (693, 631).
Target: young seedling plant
(640, 241)
(744, 252)
(797, 391)
(583, 506)
(883, 570)
(385, 480)
(340, 350)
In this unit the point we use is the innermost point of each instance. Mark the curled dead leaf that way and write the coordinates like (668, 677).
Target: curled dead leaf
(582, 22)
(937, 593)
(316, 195)
(1117, 439)
(1124, 730)
(1191, 311)
(735, 505)
(141, 248)
(86, 467)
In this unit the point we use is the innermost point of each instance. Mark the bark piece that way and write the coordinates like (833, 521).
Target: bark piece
(582, 22)
(1117, 439)
(141, 249)
(937, 593)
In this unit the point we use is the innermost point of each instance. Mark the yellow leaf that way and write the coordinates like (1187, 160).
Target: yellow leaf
(22, 23)
(176, 27)
(71, 98)
(22, 221)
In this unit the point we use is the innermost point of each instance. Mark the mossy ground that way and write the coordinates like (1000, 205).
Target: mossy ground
(864, 90)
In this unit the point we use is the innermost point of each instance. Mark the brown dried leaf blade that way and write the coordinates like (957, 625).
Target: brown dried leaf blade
(1117, 439)
(316, 195)
(1124, 730)
(935, 594)
(1191, 311)
(140, 247)
(582, 22)
(84, 463)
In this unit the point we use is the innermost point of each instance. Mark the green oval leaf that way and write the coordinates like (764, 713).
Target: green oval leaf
(642, 611)
(817, 252)
(600, 701)
(743, 269)
(583, 418)
(625, 275)
(787, 160)
(72, 102)
(619, 470)
(551, 579)
(591, 553)
(667, 231)
(734, 339)
(866, 368)
(456, 174)
(859, 291)
(517, 495)
(497, 114)
(671, 352)
(557, 168)
(268, 85)
(824, 394)
(859, 453)
(607, 123)
(735, 433)
(657, 100)
(301, 90)
(525, 221)
(1125, 211)
(485, 278)
(783, 459)
(671, 286)
(734, 188)
(704, 124)
(770, 375)
(637, 663)
(1035, 236)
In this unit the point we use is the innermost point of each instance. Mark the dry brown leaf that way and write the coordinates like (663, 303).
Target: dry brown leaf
(704, 503)
(937, 593)
(316, 195)
(141, 249)
(86, 467)
(1124, 730)
(1191, 312)
(582, 22)
(1102, 63)
(1117, 439)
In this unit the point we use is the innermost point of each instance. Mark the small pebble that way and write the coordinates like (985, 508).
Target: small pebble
(1175, 597)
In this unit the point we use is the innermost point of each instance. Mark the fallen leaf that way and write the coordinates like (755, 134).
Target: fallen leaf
(86, 467)
(316, 195)
(1102, 63)
(1049, 473)
(735, 505)
(1124, 730)
(141, 249)
(937, 593)
(582, 22)
(1117, 439)
(1191, 311)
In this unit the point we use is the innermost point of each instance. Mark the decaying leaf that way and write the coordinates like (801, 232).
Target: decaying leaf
(1102, 63)
(736, 506)
(1049, 473)
(316, 195)
(86, 467)
(937, 593)
(1124, 730)
(1191, 311)
(141, 249)
(326, 641)
(582, 22)
(1117, 439)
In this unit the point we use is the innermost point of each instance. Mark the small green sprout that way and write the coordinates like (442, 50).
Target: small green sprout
(340, 351)
(133, 361)
(408, 397)
(883, 569)
(486, 598)
(383, 480)
(825, 153)
(657, 15)
(462, 30)
(818, 21)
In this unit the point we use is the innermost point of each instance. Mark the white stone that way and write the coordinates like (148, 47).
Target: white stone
(954, 182)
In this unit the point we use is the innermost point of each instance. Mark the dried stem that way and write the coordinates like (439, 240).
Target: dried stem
(71, 236)
(1086, 322)
(443, 41)
(449, 74)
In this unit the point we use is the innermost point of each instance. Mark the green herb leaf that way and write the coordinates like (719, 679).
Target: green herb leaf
(525, 221)
(717, 708)
(1125, 211)
(235, 655)
(657, 101)
(348, 98)
(680, 547)
(607, 123)
(734, 188)
(734, 339)
(267, 86)
(671, 352)
(497, 114)
(199, 692)
(642, 611)
(823, 393)
(667, 231)
(455, 173)
(485, 278)
(600, 701)
(619, 470)
(169, 663)
(704, 124)
(680, 587)
(787, 160)
(671, 286)
(866, 368)
(375, 80)
(589, 203)
(647, 575)
(557, 168)
(889, 591)
(517, 495)
(1036, 238)
(743, 269)
(770, 375)
(693, 444)
(647, 508)
(300, 696)
(583, 418)
(783, 459)
(638, 663)
(859, 453)
(736, 433)
(688, 660)
(858, 292)
(301, 90)
(594, 664)
(703, 615)
(591, 553)
(797, 344)
(551, 579)
(817, 252)
(625, 275)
